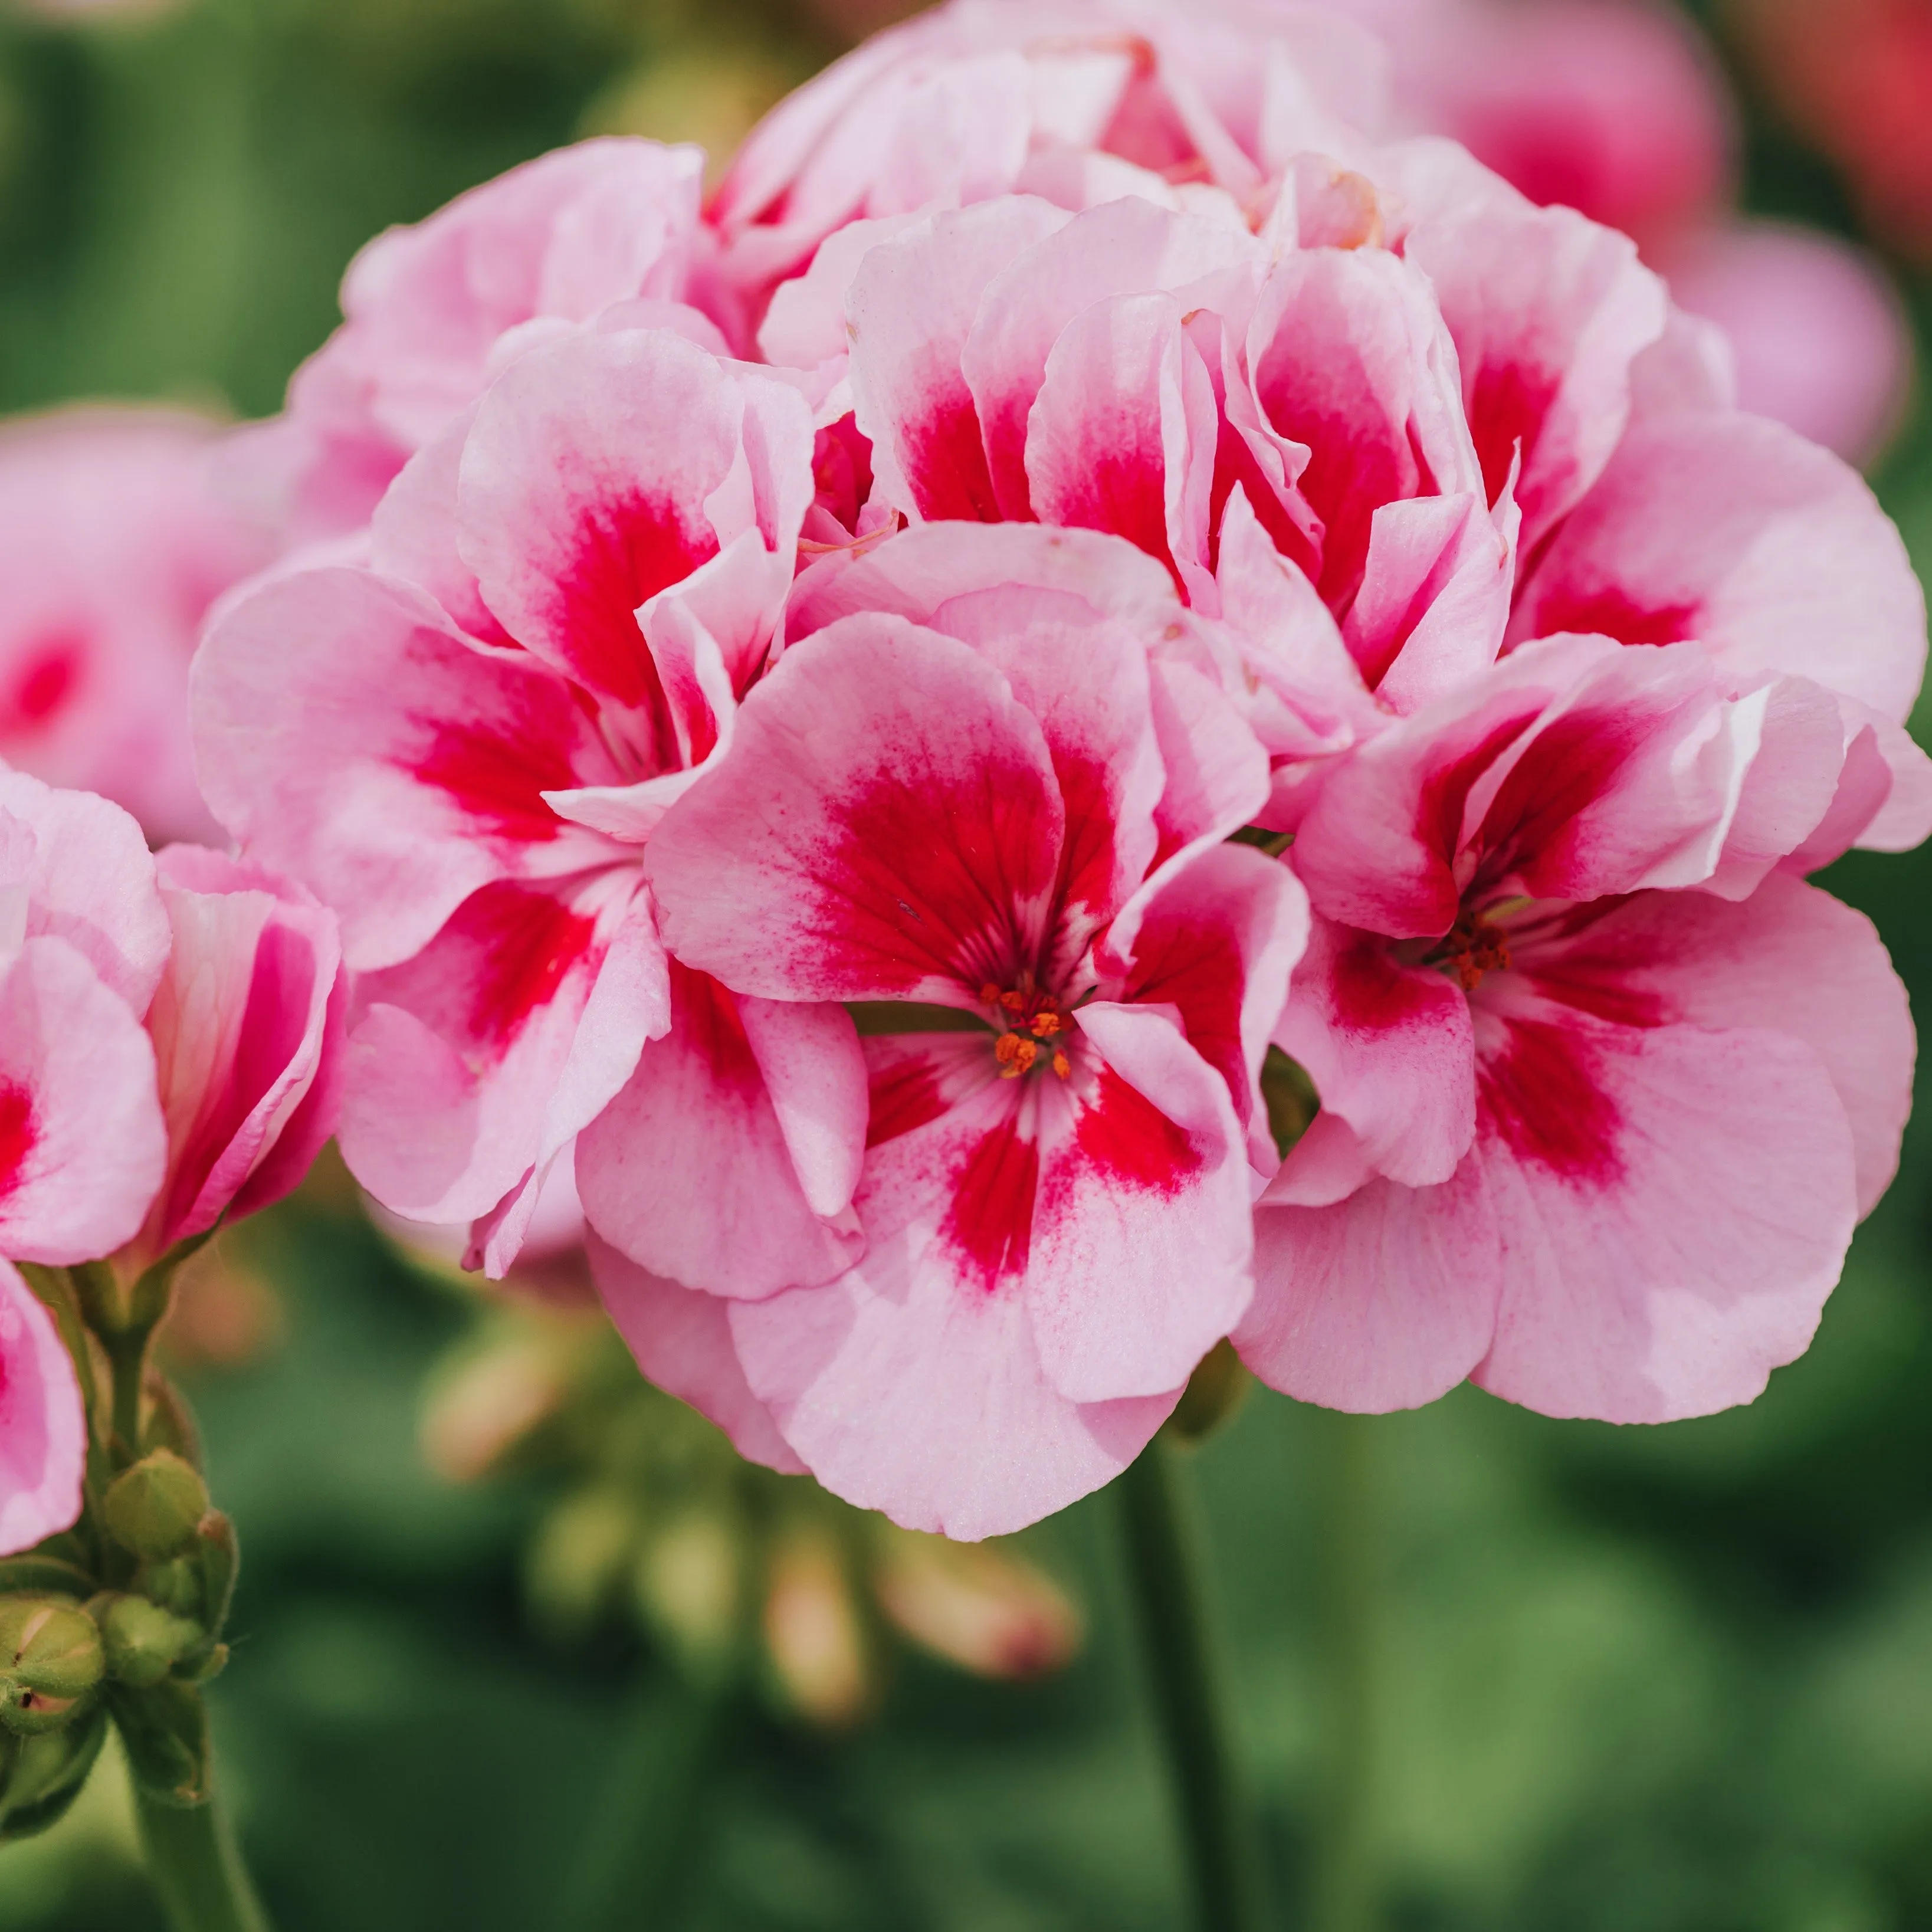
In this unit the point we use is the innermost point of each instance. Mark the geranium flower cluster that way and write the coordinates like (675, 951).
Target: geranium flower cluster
(170, 1034)
(884, 719)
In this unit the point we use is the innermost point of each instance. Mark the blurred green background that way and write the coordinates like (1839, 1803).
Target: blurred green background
(1674, 1680)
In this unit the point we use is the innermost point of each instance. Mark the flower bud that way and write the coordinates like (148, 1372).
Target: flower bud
(50, 1659)
(174, 1583)
(143, 1642)
(812, 1632)
(164, 1731)
(153, 1508)
(1214, 1392)
(40, 1776)
(689, 1583)
(983, 1608)
(579, 1557)
(483, 1407)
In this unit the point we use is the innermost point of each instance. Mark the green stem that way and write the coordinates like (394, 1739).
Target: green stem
(1348, 1876)
(196, 1867)
(643, 1835)
(1165, 1553)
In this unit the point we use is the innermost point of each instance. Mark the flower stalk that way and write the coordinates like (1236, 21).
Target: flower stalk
(1162, 1540)
(121, 1618)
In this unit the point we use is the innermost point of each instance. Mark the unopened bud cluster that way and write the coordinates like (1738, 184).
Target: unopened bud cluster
(119, 1619)
(737, 1572)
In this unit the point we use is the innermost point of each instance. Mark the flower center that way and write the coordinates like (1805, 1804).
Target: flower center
(1475, 946)
(1030, 1025)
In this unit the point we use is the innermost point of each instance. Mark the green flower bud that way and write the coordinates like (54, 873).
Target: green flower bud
(164, 1731)
(1214, 1391)
(144, 1642)
(153, 1508)
(50, 1659)
(40, 1776)
(578, 1561)
(174, 1583)
(689, 1582)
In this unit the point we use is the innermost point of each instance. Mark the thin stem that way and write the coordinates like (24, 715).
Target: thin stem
(1347, 1876)
(643, 1835)
(1165, 1551)
(196, 1867)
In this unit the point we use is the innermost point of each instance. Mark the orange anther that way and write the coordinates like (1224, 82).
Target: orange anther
(1045, 1025)
(1061, 1065)
(1006, 1049)
(989, 995)
(1013, 1002)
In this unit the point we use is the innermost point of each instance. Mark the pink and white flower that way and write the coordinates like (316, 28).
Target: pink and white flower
(991, 828)
(463, 748)
(1594, 1139)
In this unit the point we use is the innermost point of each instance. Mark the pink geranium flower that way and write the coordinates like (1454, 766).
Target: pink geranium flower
(463, 749)
(1078, 101)
(114, 538)
(994, 823)
(1591, 1137)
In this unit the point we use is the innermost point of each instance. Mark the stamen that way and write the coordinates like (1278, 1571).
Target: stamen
(1045, 1024)
(1061, 1065)
(1015, 1054)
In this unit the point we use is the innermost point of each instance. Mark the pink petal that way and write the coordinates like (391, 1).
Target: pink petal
(1730, 529)
(1122, 435)
(1548, 312)
(1216, 936)
(1385, 1301)
(82, 1147)
(588, 486)
(247, 1022)
(688, 1172)
(914, 1384)
(682, 1342)
(349, 735)
(89, 881)
(1790, 959)
(1139, 1259)
(911, 308)
(480, 1057)
(1126, 246)
(933, 574)
(1392, 1054)
(1665, 1210)
(885, 825)
(42, 1430)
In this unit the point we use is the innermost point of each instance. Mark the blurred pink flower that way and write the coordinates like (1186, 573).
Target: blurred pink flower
(114, 541)
(1855, 75)
(1819, 334)
(1617, 108)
